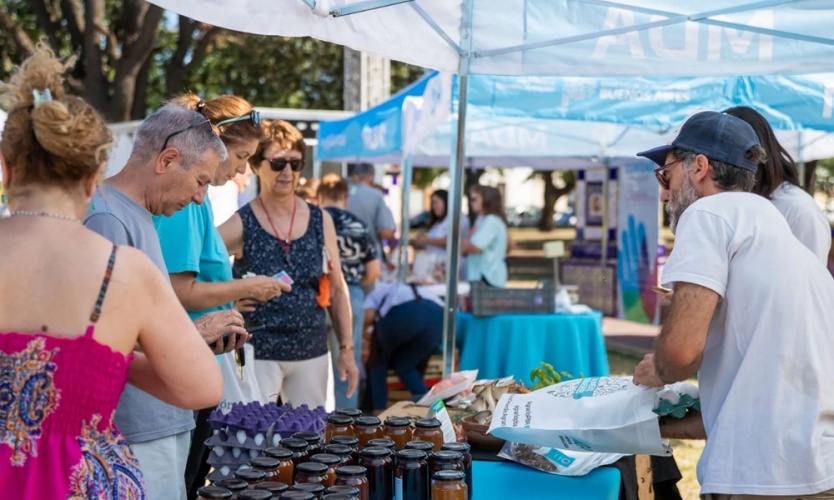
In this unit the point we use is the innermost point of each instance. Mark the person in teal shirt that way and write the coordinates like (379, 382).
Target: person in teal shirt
(486, 249)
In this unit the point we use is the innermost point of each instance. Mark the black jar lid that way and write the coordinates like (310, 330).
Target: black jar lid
(419, 445)
(339, 419)
(375, 452)
(409, 454)
(344, 489)
(232, 484)
(339, 496)
(311, 468)
(428, 423)
(264, 463)
(310, 437)
(345, 440)
(254, 495)
(351, 470)
(279, 453)
(314, 488)
(381, 443)
(337, 449)
(272, 486)
(350, 412)
(250, 475)
(447, 456)
(397, 422)
(214, 492)
(294, 444)
(296, 495)
(449, 475)
(459, 446)
(368, 421)
(327, 458)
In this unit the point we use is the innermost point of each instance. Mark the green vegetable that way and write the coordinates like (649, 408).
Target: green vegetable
(545, 375)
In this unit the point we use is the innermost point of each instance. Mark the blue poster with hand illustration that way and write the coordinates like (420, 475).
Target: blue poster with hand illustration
(637, 239)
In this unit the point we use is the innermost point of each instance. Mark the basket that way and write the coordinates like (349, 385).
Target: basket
(490, 301)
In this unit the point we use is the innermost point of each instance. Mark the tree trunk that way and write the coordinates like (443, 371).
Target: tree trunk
(140, 97)
(809, 182)
(550, 198)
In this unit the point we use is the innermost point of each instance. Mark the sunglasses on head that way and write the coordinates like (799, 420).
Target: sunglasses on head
(254, 116)
(662, 173)
(279, 164)
(178, 132)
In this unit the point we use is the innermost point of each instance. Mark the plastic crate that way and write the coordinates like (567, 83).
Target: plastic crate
(490, 301)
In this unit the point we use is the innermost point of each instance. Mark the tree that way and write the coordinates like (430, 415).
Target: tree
(556, 185)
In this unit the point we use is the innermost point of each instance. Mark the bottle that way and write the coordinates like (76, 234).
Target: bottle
(464, 449)
(213, 492)
(367, 428)
(353, 475)
(268, 465)
(255, 495)
(343, 452)
(251, 476)
(380, 472)
(233, 485)
(411, 477)
(350, 442)
(398, 429)
(381, 443)
(313, 441)
(298, 447)
(274, 487)
(449, 485)
(331, 461)
(428, 429)
(317, 490)
(338, 425)
(286, 466)
(445, 460)
(311, 472)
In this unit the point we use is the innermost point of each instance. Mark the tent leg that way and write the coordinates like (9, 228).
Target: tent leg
(606, 223)
(405, 221)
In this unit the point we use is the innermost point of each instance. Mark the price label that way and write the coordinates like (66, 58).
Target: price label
(440, 413)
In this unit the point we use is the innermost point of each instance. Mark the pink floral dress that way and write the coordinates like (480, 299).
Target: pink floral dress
(57, 399)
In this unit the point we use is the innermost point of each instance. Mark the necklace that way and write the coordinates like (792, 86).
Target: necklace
(41, 213)
(286, 244)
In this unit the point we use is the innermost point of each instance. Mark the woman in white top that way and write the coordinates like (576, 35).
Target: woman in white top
(433, 243)
(778, 180)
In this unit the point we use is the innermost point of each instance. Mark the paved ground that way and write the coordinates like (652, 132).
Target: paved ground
(629, 337)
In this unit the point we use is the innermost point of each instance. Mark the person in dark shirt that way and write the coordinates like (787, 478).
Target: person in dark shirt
(360, 265)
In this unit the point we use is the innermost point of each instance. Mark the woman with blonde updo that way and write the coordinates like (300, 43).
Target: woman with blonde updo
(74, 307)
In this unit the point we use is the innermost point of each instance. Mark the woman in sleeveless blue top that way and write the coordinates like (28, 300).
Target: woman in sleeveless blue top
(280, 233)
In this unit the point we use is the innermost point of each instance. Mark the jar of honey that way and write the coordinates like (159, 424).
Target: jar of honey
(353, 475)
(381, 443)
(311, 472)
(428, 429)
(343, 490)
(251, 476)
(317, 490)
(464, 450)
(331, 461)
(298, 447)
(274, 487)
(449, 485)
(338, 425)
(380, 472)
(233, 485)
(214, 492)
(424, 446)
(268, 465)
(313, 439)
(341, 451)
(353, 413)
(398, 429)
(255, 495)
(350, 442)
(296, 495)
(286, 466)
(367, 428)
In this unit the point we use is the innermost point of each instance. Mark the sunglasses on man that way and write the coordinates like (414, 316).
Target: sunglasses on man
(662, 173)
(186, 129)
(279, 164)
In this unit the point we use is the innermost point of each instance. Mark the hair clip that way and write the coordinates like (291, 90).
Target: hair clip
(41, 96)
(200, 106)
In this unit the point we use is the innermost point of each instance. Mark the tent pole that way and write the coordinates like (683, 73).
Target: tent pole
(453, 242)
(405, 220)
(606, 223)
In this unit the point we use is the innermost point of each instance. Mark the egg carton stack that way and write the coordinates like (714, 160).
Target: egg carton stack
(248, 429)
(676, 400)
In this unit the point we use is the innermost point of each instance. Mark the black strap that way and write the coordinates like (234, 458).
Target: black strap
(104, 284)
(417, 295)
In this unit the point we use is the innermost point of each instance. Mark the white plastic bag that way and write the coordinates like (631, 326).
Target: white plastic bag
(553, 461)
(235, 388)
(597, 414)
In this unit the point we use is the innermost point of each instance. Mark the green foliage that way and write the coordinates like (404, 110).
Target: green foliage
(825, 175)
(545, 375)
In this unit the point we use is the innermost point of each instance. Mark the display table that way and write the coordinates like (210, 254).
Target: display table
(503, 480)
(515, 344)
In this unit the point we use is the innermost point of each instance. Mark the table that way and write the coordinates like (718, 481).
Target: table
(515, 344)
(502, 480)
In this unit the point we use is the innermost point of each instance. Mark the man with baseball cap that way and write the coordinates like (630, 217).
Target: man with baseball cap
(751, 314)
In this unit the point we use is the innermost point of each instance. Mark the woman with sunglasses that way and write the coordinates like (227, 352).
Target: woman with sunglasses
(280, 233)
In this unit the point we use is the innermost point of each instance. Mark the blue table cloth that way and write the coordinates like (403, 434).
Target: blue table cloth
(504, 480)
(515, 344)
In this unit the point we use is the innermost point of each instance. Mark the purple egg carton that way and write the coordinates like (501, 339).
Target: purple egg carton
(224, 472)
(240, 439)
(221, 455)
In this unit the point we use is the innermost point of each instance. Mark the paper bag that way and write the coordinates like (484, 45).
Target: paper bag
(235, 388)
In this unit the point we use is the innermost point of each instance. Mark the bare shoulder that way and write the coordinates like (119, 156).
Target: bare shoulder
(137, 268)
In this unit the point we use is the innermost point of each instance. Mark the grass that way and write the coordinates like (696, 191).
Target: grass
(686, 453)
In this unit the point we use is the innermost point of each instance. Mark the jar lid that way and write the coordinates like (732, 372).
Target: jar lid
(368, 421)
(326, 458)
(419, 445)
(264, 463)
(214, 492)
(254, 495)
(345, 440)
(294, 444)
(457, 446)
(272, 486)
(375, 452)
(449, 475)
(339, 419)
(337, 449)
(310, 437)
(397, 422)
(351, 470)
(382, 443)
(339, 496)
(411, 454)
(428, 423)
(350, 412)
(447, 456)
(278, 453)
(314, 488)
(296, 495)
(311, 468)
(232, 484)
(343, 489)
(250, 475)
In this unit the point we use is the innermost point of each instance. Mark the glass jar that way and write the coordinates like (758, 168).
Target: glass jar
(338, 425)
(274, 487)
(353, 413)
(367, 428)
(313, 441)
(286, 466)
(296, 495)
(424, 446)
(317, 490)
(343, 452)
(268, 465)
(398, 429)
(445, 460)
(298, 447)
(233, 485)
(213, 492)
(380, 472)
(449, 485)
(411, 476)
(464, 449)
(343, 490)
(381, 443)
(251, 476)
(353, 475)
(331, 461)
(350, 442)
(339, 496)
(255, 495)
(311, 472)
(428, 429)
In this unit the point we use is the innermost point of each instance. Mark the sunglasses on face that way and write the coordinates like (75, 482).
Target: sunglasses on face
(178, 132)
(662, 173)
(254, 116)
(278, 164)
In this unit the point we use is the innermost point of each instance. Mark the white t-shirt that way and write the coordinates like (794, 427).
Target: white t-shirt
(805, 218)
(768, 363)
